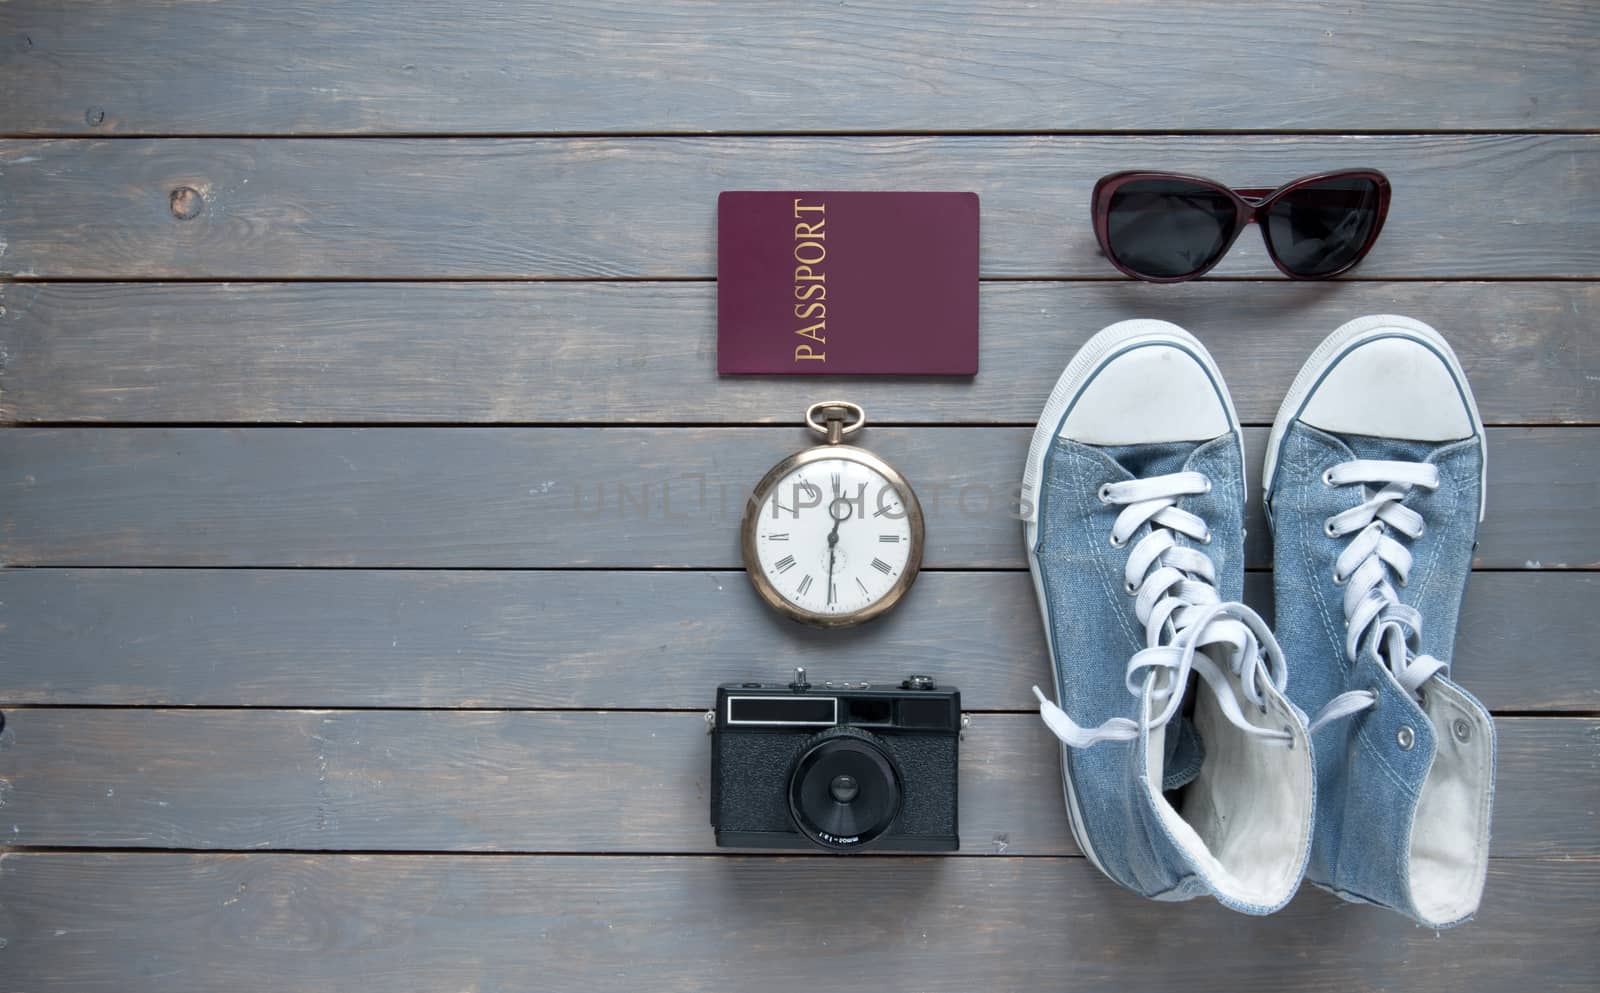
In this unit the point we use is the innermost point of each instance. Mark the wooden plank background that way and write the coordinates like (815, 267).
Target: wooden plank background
(312, 922)
(635, 208)
(332, 336)
(627, 352)
(291, 67)
(498, 639)
(559, 782)
(596, 497)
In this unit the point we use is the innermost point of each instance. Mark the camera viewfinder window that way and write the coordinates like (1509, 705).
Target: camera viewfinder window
(782, 710)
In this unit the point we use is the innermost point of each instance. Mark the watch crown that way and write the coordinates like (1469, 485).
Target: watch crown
(800, 682)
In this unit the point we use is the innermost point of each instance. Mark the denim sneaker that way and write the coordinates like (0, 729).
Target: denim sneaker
(1374, 481)
(1175, 787)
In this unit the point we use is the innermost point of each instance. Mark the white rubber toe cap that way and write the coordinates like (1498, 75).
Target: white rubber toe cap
(1391, 387)
(1137, 382)
(1152, 392)
(1383, 376)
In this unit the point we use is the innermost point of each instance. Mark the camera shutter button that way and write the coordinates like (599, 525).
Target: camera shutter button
(917, 683)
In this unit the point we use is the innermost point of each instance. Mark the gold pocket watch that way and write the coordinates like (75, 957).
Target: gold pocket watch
(832, 535)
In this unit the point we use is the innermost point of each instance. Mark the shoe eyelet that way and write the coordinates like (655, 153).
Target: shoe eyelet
(1405, 738)
(1114, 542)
(1339, 580)
(1105, 493)
(1463, 730)
(1422, 529)
(1205, 539)
(1208, 487)
(1327, 477)
(1132, 589)
(1328, 528)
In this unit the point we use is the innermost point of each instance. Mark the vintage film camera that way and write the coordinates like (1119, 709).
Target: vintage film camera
(841, 766)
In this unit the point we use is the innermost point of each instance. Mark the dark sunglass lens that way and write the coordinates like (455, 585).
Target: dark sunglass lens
(1166, 228)
(1319, 230)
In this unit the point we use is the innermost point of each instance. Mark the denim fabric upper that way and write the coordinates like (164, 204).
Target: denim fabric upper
(1368, 782)
(1094, 631)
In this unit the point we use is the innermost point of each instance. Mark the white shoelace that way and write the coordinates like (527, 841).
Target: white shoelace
(1371, 605)
(1176, 599)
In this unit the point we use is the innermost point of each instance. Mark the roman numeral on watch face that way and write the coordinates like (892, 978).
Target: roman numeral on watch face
(805, 584)
(882, 566)
(784, 564)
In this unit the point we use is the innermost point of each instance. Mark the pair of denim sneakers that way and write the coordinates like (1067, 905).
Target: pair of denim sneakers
(1202, 753)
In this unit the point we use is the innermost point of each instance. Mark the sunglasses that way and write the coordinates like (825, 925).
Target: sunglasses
(1165, 228)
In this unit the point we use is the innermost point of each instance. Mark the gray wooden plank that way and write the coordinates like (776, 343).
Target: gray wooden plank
(568, 352)
(541, 781)
(421, 208)
(439, 780)
(83, 68)
(297, 638)
(130, 922)
(590, 497)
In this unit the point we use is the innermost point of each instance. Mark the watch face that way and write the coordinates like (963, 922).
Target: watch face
(833, 538)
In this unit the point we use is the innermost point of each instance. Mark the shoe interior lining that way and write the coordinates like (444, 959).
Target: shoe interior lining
(1246, 818)
(1450, 834)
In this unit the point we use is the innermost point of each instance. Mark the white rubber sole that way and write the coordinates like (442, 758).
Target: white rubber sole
(1334, 347)
(1106, 344)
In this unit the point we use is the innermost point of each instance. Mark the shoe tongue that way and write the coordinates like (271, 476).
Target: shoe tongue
(1184, 754)
(1185, 750)
(1388, 449)
(1157, 459)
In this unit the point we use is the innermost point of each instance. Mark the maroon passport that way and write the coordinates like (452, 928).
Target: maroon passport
(819, 283)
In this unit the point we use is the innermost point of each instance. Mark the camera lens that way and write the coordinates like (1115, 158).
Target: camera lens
(845, 789)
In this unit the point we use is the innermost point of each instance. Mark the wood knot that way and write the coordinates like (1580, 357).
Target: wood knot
(94, 116)
(186, 203)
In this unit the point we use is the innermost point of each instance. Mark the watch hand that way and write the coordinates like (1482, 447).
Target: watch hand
(833, 543)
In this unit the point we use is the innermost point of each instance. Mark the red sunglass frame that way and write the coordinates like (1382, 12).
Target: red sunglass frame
(1250, 206)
